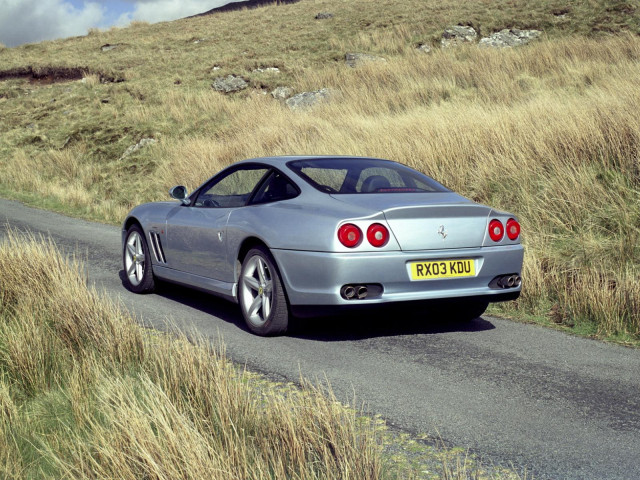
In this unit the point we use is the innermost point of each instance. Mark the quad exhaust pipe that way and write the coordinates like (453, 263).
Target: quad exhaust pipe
(361, 292)
(508, 281)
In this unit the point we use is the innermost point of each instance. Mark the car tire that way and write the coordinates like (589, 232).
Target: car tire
(261, 295)
(136, 260)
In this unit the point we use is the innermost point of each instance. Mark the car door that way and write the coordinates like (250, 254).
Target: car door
(197, 233)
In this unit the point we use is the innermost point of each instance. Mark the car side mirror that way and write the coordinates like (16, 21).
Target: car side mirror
(179, 192)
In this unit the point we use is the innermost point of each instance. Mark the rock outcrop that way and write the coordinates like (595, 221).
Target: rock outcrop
(229, 84)
(306, 100)
(282, 93)
(110, 46)
(357, 59)
(266, 70)
(134, 148)
(509, 38)
(457, 35)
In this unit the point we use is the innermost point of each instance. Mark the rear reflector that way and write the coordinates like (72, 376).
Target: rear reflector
(378, 235)
(513, 229)
(496, 230)
(349, 235)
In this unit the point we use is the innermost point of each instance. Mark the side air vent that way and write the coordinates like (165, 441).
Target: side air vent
(156, 246)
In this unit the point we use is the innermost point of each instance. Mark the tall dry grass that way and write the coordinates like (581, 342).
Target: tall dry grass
(85, 393)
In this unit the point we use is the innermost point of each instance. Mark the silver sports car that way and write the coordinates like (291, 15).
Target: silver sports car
(301, 236)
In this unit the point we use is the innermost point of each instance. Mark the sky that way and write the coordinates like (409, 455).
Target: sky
(30, 21)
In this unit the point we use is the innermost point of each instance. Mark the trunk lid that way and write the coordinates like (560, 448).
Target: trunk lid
(429, 221)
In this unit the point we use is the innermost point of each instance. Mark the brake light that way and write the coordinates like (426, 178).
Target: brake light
(378, 235)
(349, 235)
(496, 230)
(513, 229)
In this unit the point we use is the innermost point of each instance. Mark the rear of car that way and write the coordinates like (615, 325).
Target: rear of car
(420, 242)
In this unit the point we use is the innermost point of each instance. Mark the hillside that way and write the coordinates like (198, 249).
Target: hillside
(548, 130)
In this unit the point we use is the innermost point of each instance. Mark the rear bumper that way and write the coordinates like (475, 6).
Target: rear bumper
(315, 278)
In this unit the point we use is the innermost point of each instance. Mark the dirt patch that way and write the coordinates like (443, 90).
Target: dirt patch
(49, 75)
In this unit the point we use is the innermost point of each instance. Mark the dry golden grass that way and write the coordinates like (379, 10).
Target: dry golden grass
(84, 393)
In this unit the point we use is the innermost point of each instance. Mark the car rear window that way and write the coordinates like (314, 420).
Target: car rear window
(363, 175)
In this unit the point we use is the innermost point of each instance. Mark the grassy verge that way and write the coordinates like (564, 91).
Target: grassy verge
(86, 393)
(548, 131)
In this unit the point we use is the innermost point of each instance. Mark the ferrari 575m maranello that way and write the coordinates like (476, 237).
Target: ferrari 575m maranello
(285, 236)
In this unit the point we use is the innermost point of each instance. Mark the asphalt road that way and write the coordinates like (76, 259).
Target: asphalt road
(564, 407)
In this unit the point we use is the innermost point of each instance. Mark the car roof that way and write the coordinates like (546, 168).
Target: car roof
(279, 160)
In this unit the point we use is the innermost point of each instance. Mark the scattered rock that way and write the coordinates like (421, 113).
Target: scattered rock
(324, 16)
(108, 46)
(229, 84)
(424, 48)
(267, 70)
(356, 59)
(216, 67)
(306, 100)
(134, 148)
(199, 40)
(458, 34)
(282, 93)
(509, 38)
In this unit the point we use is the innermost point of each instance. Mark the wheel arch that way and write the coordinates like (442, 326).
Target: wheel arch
(127, 225)
(246, 245)
(131, 221)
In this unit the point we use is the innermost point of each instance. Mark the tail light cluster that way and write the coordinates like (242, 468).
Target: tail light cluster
(497, 230)
(351, 236)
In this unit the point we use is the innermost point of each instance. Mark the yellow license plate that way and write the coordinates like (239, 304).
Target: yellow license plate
(443, 269)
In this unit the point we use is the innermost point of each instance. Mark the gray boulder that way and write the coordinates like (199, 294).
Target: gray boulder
(457, 35)
(282, 93)
(108, 47)
(229, 84)
(134, 148)
(424, 48)
(509, 38)
(356, 59)
(324, 16)
(306, 100)
(266, 70)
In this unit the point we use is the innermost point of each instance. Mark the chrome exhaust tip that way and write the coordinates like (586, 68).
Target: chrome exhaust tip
(362, 292)
(349, 292)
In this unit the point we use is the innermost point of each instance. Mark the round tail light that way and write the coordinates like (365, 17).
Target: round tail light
(513, 229)
(349, 235)
(496, 230)
(378, 235)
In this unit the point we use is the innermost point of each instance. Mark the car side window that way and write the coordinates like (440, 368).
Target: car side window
(232, 190)
(276, 187)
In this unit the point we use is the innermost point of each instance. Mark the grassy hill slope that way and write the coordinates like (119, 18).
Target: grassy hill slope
(548, 131)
